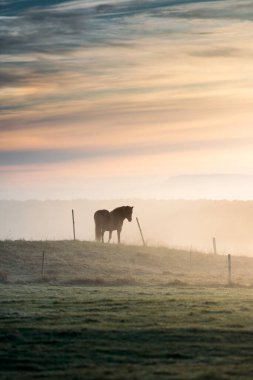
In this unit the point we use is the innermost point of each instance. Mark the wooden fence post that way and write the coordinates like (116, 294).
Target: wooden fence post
(214, 246)
(42, 264)
(143, 241)
(229, 270)
(73, 221)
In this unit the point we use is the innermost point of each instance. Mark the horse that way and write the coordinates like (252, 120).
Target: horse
(110, 221)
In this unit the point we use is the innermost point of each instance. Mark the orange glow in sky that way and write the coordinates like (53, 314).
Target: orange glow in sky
(119, 101)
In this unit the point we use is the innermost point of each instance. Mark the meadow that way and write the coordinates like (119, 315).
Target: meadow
(87, 263)
(122, 332)
(123, 312)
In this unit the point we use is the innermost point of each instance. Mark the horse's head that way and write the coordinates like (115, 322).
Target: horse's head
(128, 213)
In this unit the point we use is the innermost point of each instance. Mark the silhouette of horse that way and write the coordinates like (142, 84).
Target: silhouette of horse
(111, 221)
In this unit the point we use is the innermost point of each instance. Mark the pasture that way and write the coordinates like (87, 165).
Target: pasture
(59, 332)
(88, 263)
(123, 312)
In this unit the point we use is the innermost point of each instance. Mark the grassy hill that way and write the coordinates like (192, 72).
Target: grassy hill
(89, 263)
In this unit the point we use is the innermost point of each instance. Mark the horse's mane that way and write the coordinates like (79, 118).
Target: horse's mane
(120, 208)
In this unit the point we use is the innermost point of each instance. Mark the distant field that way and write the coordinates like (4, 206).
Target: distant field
(148, 332)
(89, 263)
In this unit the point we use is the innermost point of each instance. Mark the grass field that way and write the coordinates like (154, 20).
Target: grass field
(128, 332)
(123, 312)
(89, 263)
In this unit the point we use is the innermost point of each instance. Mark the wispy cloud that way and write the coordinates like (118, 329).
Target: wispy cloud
(36, 157)
(219, 52)
(123, 80)
(57, 26)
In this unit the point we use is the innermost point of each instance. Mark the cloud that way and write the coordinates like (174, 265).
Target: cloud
(219, 52)
(52, 156)
(222, 10)
(57, 26)
(14, 7)
(42, 31)
(36, 157)
(123, 78)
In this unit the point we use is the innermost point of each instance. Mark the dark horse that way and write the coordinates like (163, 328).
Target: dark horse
(111, 221)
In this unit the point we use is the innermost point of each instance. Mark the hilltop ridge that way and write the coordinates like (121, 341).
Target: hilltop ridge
(90, 263)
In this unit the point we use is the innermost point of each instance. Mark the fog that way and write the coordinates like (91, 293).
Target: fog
(174, 223)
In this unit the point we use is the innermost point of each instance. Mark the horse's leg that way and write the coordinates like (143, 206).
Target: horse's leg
(110, 236)
(118, 232)
(102, 236)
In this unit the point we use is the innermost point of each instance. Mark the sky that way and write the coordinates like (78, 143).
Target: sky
(144, 98)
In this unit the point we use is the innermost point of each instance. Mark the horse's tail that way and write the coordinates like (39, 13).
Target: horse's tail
(98, 233)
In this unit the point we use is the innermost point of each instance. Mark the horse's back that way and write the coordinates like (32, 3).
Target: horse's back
(102, 216)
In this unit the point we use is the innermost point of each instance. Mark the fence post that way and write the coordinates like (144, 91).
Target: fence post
(229, 270)
(143, 241)
(42, 264)
(214, 246)
(73, 221)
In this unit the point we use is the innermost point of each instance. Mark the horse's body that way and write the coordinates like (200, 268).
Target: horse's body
(111, 221)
